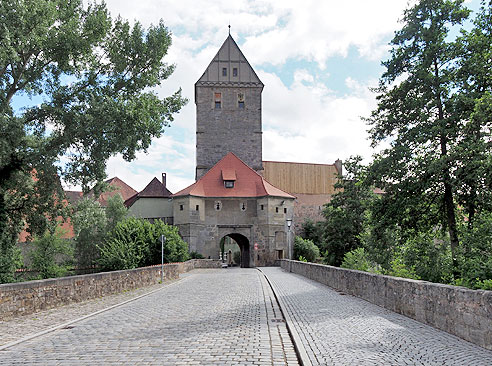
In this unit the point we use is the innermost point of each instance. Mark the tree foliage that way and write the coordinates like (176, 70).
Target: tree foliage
(51, 255)
(305, 249)
(345, 214)
(136, 242)
(93, 75)
(419, 114)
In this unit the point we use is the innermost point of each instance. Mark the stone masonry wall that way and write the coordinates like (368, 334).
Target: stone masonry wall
(28, 297)
(463, 312)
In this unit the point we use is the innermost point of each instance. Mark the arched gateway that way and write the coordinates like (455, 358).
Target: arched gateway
(233, 200)
(244, 248)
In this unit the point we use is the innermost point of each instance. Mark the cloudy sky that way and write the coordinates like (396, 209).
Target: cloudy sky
(316, 58)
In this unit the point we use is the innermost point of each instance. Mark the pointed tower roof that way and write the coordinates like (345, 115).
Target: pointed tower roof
(229, 57)
(246, 182)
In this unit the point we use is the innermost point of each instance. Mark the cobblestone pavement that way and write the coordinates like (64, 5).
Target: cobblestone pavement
(24, 326)
(338, 329)
(214, 317)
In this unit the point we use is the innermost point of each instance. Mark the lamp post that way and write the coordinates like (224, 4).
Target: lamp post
(289, 224)
(163, 240)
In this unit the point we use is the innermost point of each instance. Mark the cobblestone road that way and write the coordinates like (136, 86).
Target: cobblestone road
(212, 317)
(338, 329)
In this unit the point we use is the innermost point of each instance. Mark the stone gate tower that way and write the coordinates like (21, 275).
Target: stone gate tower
(228, 111)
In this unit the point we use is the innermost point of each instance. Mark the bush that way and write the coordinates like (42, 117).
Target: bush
(48, 251)
(136, 243)
(196, 255)
(306, 249)
(358, 259)
(90, 227)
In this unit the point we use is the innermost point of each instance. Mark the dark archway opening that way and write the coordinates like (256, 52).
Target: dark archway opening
(243, 244)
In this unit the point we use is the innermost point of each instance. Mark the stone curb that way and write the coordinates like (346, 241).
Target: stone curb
(296, 339)
(63, 325)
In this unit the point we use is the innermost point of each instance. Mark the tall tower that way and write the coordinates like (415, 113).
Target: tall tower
(228, 110)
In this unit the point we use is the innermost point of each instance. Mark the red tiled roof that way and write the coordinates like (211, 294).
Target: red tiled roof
(154, 189)
(120, 187)
(248, 183)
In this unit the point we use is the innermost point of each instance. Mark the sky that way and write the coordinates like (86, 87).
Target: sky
(317, 60)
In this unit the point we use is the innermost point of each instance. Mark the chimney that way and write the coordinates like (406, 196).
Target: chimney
(338, 166)
(164, 179)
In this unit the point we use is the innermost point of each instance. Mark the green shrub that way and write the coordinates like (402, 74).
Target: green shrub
(306, 249)
(136, 243)
(359, 259)
(196, 255)
(48, 252)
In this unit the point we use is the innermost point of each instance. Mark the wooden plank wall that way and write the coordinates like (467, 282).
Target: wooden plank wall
(301, 177)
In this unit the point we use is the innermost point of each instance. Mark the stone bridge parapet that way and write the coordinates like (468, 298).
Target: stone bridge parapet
(457, 310)
(28, 297)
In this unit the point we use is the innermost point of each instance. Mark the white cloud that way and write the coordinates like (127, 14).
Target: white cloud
(305, 121)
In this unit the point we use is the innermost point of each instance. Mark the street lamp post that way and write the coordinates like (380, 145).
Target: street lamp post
(163, 240)
(289, 224)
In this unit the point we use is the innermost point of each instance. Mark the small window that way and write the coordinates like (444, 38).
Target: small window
(218, 205)
(240, 100)
(181, 207)
(197, 207)
(262, 207)
(224, 71)
(218, 100)
(242, 206)
(229, 183)
(276, 209)
(234, 71)
(285, 210)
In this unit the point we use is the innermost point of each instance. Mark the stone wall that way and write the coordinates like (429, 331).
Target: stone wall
(463, 312)
(28, 297)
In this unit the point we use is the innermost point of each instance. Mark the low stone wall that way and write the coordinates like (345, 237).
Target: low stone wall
(28, 297)
(460, 311)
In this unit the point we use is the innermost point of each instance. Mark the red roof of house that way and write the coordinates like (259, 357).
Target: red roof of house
(248, 183)
(119, 187)
(155, 189)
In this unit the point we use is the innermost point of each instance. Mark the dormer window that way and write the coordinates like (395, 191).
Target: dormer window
(224, 71)
(229, 177)
(234, 71)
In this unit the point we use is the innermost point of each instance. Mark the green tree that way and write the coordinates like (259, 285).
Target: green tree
(90, 229)
(51, 255)
(116, 211)
(136, 243)
(345, 214)
(313, 231)
(305, 249)
(416, 114)
(93, 75)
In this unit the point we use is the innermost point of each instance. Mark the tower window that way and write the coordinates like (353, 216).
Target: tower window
(285, 210)
(276, 209)
(229, 183)
(242, 206)
(218, 205)
(181, 207)
(224, 71)
(240, 101)
(197, 207)
(218, 100)
(234, 71)
(262, 207)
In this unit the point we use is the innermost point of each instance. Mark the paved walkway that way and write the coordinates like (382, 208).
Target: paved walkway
(212, 317)
(338, 329)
